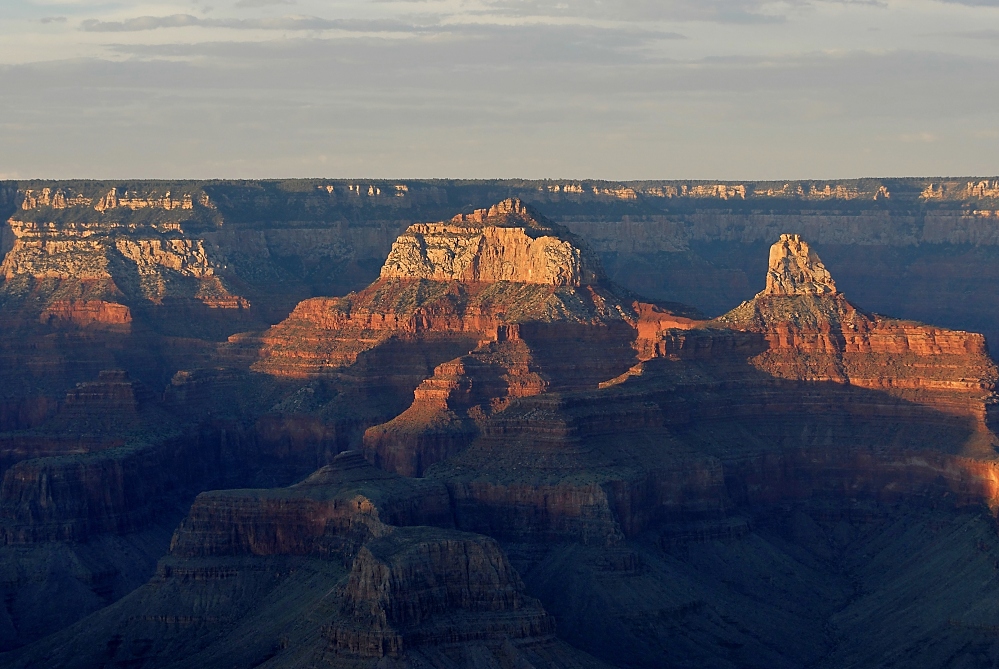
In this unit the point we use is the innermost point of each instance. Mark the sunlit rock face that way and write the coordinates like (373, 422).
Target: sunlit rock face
(532, 443)
(507, 242)
(795, 269)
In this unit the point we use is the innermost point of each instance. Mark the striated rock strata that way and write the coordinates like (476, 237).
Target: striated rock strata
(418, 587)
(506, 242)
(482, 285)
(330, 513)
(795, 269)
(663, 484)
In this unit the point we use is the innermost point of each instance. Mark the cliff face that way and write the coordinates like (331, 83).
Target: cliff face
(819, 336)
(268, 245)
(416, 587)
(502, 396)
(114, 266)
(707, 443)
(497, 266)
(794, 355)
(480, 277)
(331, 513)
(795, 269)
(506, 242)
(315, 573)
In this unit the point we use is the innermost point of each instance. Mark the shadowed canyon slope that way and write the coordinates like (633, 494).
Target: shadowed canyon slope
(493, 453)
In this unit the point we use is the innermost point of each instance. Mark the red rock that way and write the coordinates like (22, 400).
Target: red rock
(85, 313)
(329, 514)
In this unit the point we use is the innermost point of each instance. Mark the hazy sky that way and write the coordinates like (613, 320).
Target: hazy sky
(627, 89)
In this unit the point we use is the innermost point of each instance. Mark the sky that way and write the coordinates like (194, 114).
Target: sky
(582, 89)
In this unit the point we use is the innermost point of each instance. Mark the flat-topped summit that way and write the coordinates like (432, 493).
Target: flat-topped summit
(506, 242)
(795, 269)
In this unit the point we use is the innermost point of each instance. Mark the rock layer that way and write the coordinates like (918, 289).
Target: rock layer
(415, 587)
(795, 269)
(507, 242)
(331, 513)
(641, 440)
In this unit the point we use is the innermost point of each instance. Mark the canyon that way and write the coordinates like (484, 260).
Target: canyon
(493, 424)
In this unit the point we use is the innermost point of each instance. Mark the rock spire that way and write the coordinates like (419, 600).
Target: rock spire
(795, 269)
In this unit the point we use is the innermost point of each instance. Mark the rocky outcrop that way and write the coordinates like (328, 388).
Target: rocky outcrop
(512, 334)
(795, 269)
(775, 356)
(507, 242)
(408, 593)
(449, 406)
(47, 197)
(329, 514)
(416, 595)
(73, 497)
(813, 333)
(130, 200)
(461, 280)
(524, 325)
(415, 587)
(559, 411)
(82, 259)
(112, 261)
(87, 313)
(112, 392)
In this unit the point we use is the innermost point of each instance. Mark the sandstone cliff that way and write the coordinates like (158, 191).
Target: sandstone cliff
(507, 242)
(552, 465)
(541, 405)
(795, 269)
(329, 514)
(443, 284)
(392, 335)
(813, 333)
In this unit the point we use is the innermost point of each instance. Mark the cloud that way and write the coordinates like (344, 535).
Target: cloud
(990, 35)
(263, 3)
(721, 11)
(973, 3)
(52, 19)
(922, 137)
(519, 104)
(141, 23)
(500, 87)
(436, 48)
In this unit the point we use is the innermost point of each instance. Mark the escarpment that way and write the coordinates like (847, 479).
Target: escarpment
(466, 277)
(331, 513)
(415, 587)
(506, 242)
(540, 467)
(832, 398)
(444, 303)
(814, 333)
(360, 577)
